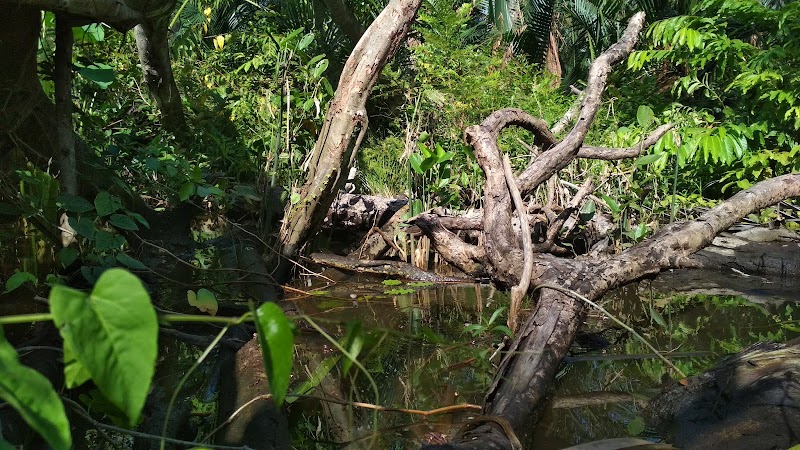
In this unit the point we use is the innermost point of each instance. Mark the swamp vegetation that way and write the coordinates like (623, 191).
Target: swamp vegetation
(362, 224)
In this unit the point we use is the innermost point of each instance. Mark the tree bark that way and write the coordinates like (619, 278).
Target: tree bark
(335, 150)
(152, 42)
(27, 119)
(63, 85)
(521, 383)
(122, 14)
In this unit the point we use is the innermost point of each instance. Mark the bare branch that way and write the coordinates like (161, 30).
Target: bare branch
(672, 245)
(562, 153)
(519, 291)
(555, 226)
(611, 154)
(569, 116)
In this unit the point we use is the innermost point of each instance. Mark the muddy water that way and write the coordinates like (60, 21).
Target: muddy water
(428, 347)
(435, 346)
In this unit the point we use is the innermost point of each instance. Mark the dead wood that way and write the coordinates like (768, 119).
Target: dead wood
(384, 267)
(346, 117)
(521, 383)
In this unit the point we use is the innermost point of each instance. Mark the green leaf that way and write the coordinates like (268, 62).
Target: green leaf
(138, 218)
(322, 371)
(74, 372)
(18, 279)
(320, 68)
(113, 333)
(657, 317)
(5, 445)
(103, 241)
(98, 73)
(186, 191)
(130, 262)
(391, 282)
(106, 204)
(67, 256)
(74, 203)
(644, 115)
(33, 397)
(294, 198)
(123, 222)
(353, 343)
(649, 159)
(83, 226)
(612, 204)
(306, 41)
(204, 300)
(93, 33)
(277, 348)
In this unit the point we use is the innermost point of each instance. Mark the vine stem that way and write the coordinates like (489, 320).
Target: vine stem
(26, 318)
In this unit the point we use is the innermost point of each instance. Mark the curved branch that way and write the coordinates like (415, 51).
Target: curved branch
(562, 153)
(612, 154)
(671, 246)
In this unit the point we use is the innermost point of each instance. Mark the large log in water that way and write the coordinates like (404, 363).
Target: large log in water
(750, 401)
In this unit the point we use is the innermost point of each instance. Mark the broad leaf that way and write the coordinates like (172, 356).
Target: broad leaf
(204, 300)
(277, 348)
(99, 73)
(18, 279)
(123, 222)
(74, 203)
(67, 256)
(106, 204)
(130, 262)
(113, 334)
(33, 397)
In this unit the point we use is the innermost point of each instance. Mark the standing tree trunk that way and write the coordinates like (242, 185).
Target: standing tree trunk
(345, 120)
(27, 119)
(152, 42)
(63, 85)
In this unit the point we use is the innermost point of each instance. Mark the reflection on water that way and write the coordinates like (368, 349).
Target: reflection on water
(427, 347)
(422, 358)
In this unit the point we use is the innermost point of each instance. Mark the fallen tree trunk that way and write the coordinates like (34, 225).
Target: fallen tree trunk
(521, 383)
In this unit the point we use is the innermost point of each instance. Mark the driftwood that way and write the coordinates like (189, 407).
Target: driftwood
(521, 383)
(393, 268)
(751, 400)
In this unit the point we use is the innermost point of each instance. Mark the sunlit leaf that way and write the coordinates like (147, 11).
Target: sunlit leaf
(277, 348)
(113, 333)
(98, 73)
(204, 300)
